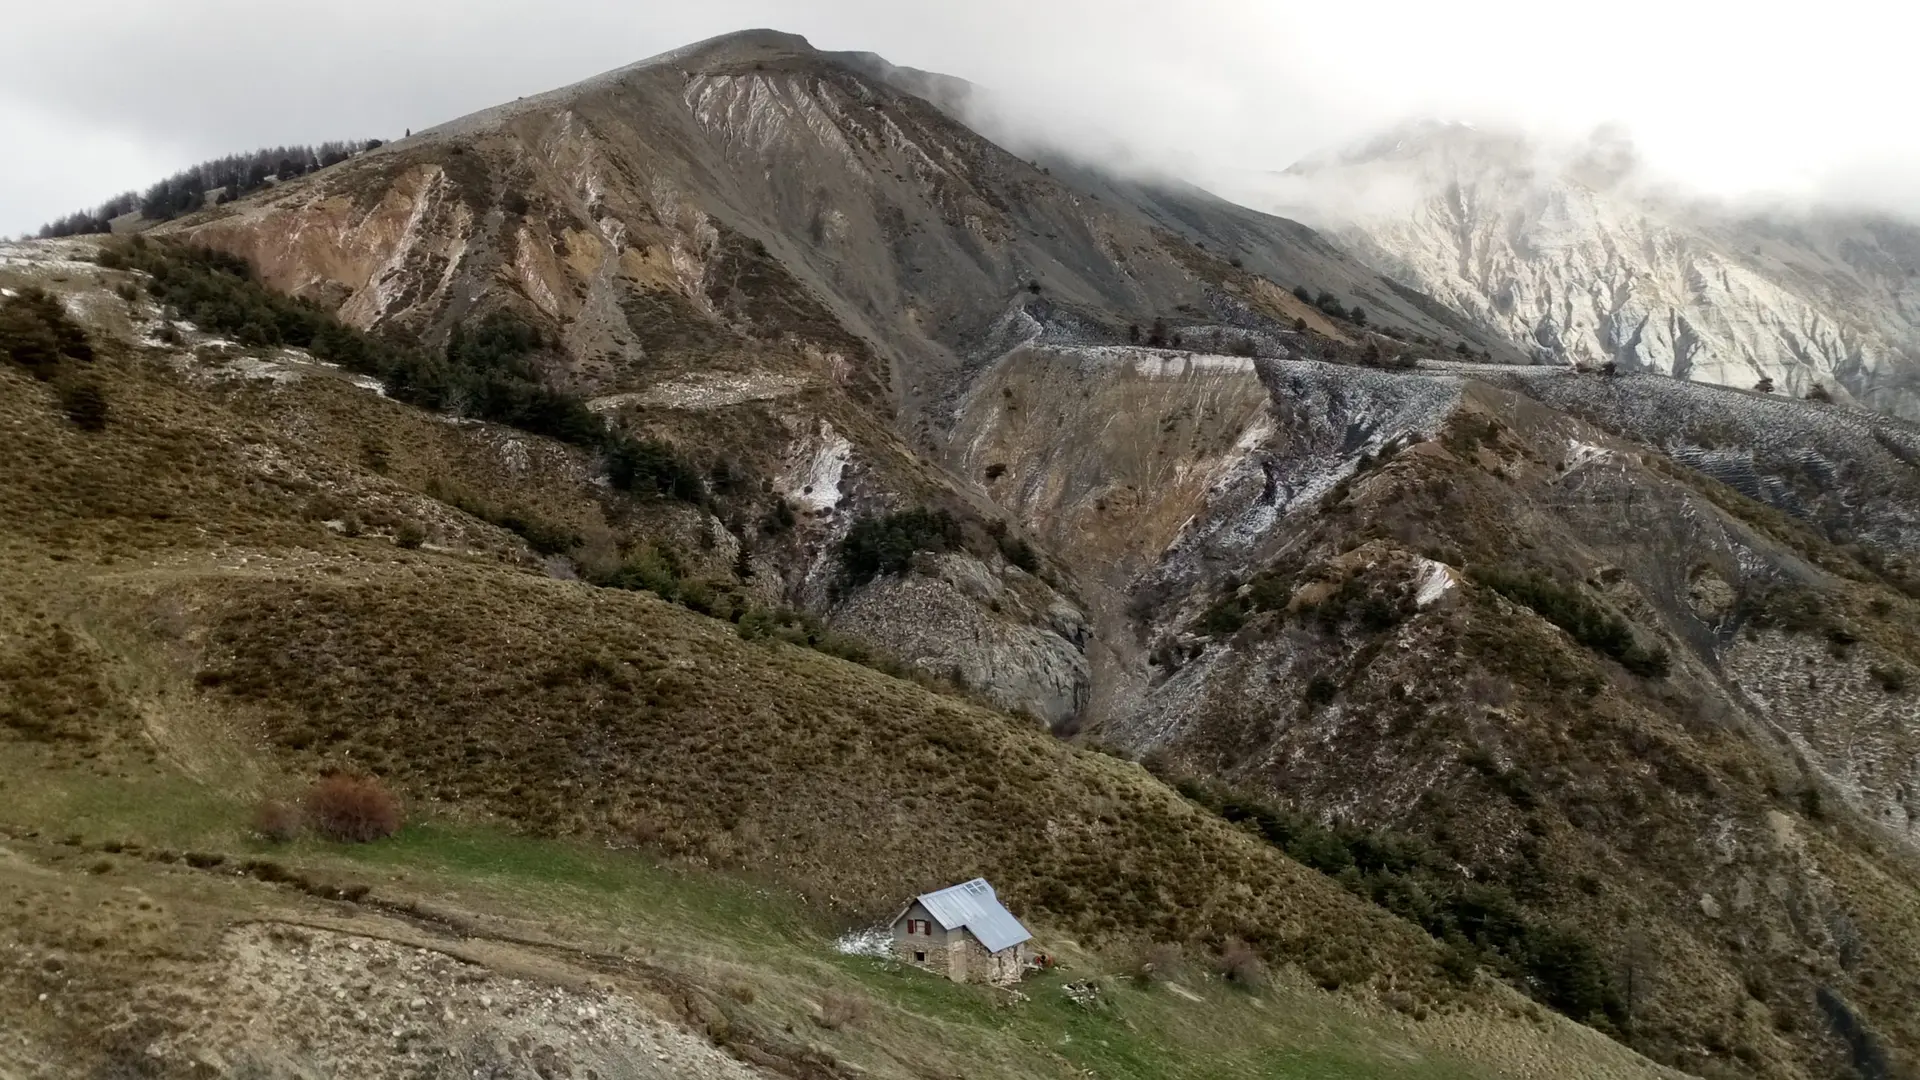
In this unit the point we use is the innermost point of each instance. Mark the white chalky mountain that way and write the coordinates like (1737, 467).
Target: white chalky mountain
(1570, 256)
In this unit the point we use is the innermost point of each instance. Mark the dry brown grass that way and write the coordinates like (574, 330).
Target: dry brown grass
(579, 711)
(277, 821)
(1242, 966)
(1160, 963)
(839, 1009)
(352, 809)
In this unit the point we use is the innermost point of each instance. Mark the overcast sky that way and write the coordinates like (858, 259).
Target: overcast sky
(98, 96)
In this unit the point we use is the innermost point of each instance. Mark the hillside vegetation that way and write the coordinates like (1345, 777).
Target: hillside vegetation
(226, 591)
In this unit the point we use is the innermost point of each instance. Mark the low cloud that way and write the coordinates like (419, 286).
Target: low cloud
(1728, 105)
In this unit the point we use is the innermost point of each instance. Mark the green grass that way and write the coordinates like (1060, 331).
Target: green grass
(154, 807)
(1141, 1033)
(1137, 1034)
(733, 930)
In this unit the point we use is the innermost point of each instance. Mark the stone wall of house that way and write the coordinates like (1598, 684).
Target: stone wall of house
(936, 946)
(956, 954)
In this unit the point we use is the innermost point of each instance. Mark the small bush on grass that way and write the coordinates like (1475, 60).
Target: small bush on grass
(1161, 963)
(1242, 966)
(37, 333)
(352, 809)
(276, 821)
(85, 403)
(410, 535)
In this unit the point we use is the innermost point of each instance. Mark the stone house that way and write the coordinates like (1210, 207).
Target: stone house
(964, 933)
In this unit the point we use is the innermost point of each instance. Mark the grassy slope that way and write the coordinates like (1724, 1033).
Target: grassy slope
(185, 639)
(722, 939)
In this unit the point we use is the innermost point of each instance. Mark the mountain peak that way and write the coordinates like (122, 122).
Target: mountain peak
(740, 46)
(1425, 139)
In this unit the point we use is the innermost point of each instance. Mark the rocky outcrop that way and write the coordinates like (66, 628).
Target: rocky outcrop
(998, 632)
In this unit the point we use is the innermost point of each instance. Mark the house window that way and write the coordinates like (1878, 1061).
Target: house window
(919, 958)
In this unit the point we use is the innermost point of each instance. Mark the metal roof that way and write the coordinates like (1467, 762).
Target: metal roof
(973, 905)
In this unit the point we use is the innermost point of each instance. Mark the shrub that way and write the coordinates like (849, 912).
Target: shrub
(839, 1009)
(1242, 966)
(1321, 690)
(85, 403)
(1584, 620)
(1244, 346)
(410, 535)
(1225, 617)
(37, 333)
(886, 545)
(648, 467)
(780, 518)
(276, 821)
(1891, 677)
(545, 537)
(1019, 553)
(756, 624)
(352, 809)
(648, 569)
(1459, 961)
(1472, 914)
(1160, 963)
(1816, 392)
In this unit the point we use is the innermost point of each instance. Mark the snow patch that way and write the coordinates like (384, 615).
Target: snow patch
(1436, 582)
(876, 942)
(815, 485)
(1585, 453)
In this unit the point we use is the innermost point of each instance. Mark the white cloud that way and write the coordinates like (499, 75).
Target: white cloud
(58, 166)
(1728, 97)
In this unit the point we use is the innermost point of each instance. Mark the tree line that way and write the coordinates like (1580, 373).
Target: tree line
(221, 179)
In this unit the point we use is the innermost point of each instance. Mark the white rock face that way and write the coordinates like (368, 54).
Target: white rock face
(1564, 252)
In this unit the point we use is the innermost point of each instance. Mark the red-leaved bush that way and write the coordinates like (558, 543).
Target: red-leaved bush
(352, 809)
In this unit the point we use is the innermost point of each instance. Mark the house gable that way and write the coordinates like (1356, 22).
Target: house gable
(955, 931)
